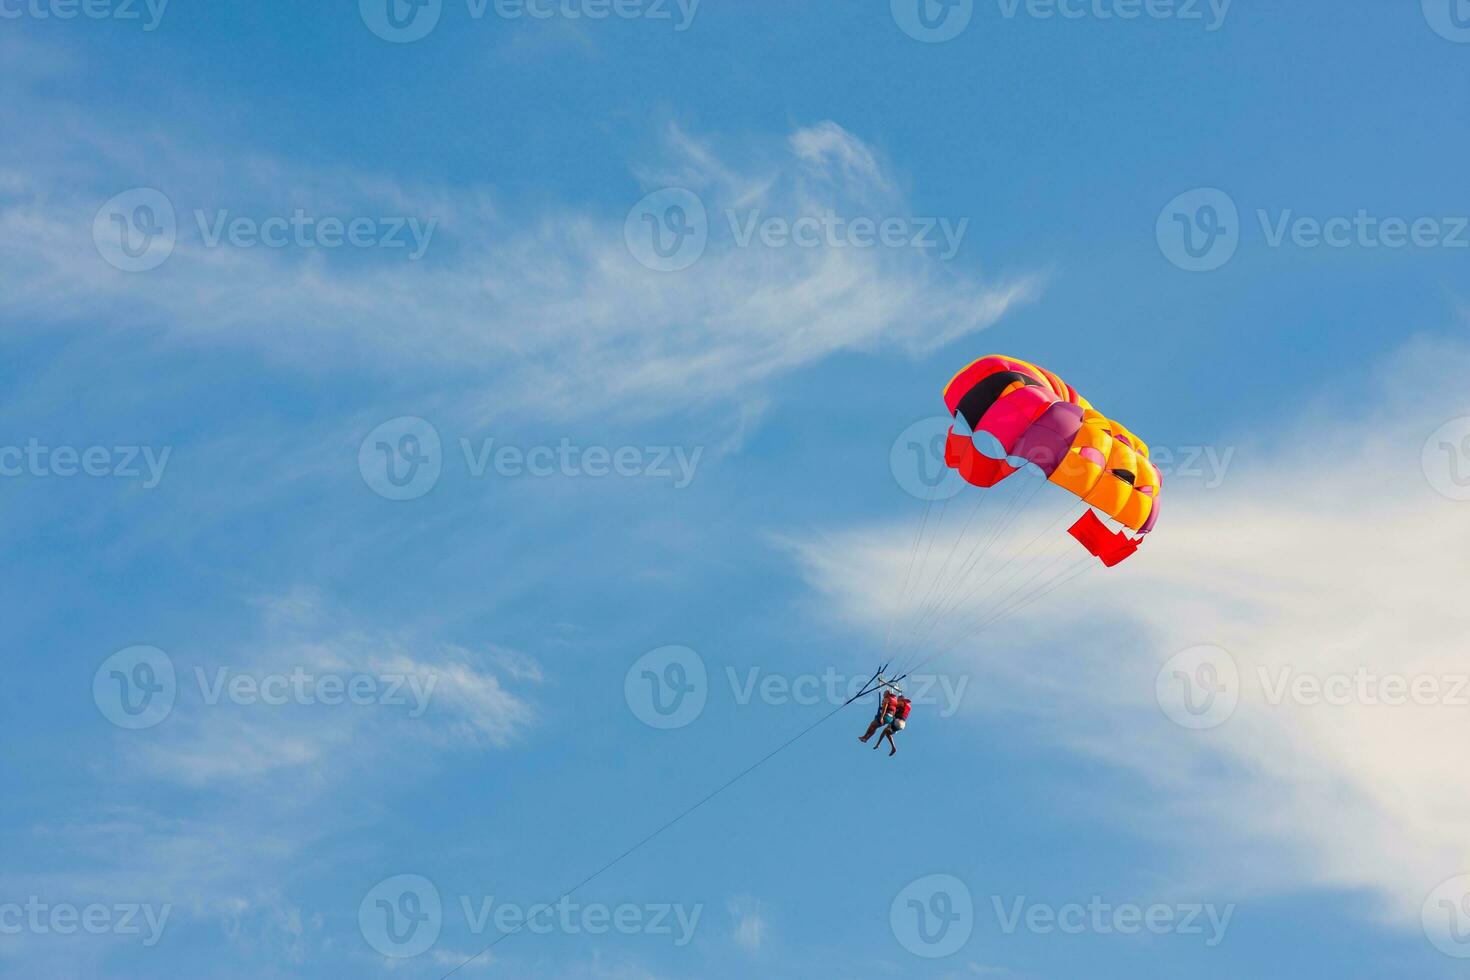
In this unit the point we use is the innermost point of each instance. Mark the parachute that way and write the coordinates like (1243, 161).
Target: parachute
(1013, 423)
(1033, 416)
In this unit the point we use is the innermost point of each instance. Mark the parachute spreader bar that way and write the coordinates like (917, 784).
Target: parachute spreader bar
(868, 687)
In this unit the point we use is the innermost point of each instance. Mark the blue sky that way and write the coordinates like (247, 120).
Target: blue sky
(494, 444)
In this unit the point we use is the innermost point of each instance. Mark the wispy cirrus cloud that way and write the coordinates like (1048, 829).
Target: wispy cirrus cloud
(282, 739)
(540, 309)
(314, 699)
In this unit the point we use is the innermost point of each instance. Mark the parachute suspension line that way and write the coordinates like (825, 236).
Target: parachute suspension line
(996, 588)
(1077, 571)
(999, 539)
(1019, 563)
(1013, 506)
(997, 527)
(922, 536)
(924, 562)
(1001, 533)
(940, 574)
(1027, 412)
(1047, 560)
(1088, 563)
(918, 598)
(903, 592)
(999, 599)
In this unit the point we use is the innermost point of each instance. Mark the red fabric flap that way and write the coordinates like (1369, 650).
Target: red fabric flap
(1109, 546)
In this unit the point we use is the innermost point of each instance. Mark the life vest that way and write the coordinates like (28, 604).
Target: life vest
(901, 712)
(888, 704)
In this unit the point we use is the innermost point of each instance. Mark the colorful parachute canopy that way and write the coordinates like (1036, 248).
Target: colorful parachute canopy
(1037, 417)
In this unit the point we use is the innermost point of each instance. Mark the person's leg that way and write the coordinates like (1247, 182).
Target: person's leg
(888, 734)
(871, 729)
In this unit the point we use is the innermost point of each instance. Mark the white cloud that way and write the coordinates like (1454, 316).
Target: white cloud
(1324, 552)
(447, 697)
(267, 782)
(543, 310)
(750, 923)
(189, 873)
(827, 147)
